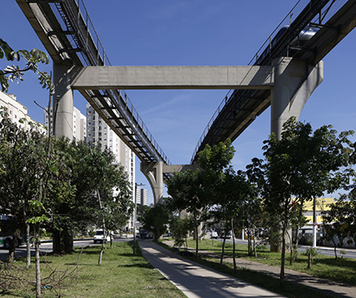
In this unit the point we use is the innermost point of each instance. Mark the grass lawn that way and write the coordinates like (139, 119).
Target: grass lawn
(121, 274)
(342, 269)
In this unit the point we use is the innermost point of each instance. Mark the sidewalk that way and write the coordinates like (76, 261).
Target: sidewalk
(195, 280)
(326, 286)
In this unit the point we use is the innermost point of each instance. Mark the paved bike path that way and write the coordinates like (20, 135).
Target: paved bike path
(195, 280)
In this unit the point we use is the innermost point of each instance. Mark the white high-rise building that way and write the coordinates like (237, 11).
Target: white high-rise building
(16, 111)
(79, 124)
(141, 196)
(93, 129)
(99, 132)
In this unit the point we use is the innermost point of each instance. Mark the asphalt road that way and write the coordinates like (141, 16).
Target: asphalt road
(47, 247)
(327, 251)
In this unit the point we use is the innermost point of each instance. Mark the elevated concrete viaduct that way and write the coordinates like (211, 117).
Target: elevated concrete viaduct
(291, 82)
(66, 31)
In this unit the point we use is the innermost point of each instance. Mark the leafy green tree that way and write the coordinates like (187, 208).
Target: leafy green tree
(15, 72)
(196, 191)
(340, 220)
(29, 169)
(102, 194)
(189, 193)
(303, 165)
(141, 212)
(180, 229)
(18, 176)
(156, 220)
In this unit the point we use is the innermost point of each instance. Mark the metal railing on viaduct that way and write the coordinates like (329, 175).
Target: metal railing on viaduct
(65, 29)
(331, 21)
(67, 32)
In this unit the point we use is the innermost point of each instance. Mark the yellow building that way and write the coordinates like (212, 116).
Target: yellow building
(322, 204)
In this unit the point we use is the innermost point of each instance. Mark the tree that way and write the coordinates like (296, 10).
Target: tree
(20, 159)
(196, 191)
(14, 72)
(340, 220)
(303, 165)
(188, 193)
(102, 194)
(252, 209)
(180, 228)
(156, 220)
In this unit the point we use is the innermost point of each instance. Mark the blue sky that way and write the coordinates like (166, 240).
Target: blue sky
(194, 32)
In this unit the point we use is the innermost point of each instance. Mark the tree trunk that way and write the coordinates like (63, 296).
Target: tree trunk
(28, 246)
(67, 239)
(249, 245)
(335, 252)
(37, 259)
(283, 256)
(222, 251)
(56, 241)
(62, 240)
(196, 242)
(297, 232)
(254, 241)
(101, 254)
(13, 245)
(233, 246)
(223, 246)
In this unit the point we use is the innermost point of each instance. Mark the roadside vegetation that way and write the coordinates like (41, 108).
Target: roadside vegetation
(121, 274)
(63, 187)
(267, 197)
(341, 270)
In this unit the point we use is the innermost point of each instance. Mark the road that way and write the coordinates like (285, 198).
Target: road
(46, 247)
(326, 251)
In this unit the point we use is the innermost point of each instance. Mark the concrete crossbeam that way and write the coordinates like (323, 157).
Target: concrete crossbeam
(174, 77)
(170, 169)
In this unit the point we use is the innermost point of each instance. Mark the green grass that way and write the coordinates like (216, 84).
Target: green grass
(121, 274)
(326, 267)
(342, 269)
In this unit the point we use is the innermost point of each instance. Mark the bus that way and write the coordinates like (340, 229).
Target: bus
(6, 232)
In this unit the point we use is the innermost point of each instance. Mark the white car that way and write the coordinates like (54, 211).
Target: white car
(99, 237)
(214, 235)
(227, 236)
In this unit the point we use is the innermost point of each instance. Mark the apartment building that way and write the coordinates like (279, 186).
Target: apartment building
(17, 111)
(141, 196)
(79, 123)
(99, 132)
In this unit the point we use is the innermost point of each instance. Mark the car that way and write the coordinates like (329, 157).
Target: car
(227, 236)
(214, 235)
(99, 237)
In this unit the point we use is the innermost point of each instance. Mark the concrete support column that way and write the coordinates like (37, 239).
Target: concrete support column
(63, 101)
(154, 174)
(295, 81)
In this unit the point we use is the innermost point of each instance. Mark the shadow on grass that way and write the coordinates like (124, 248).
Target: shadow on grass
(138, 265)
(347, 276)
(265, 280)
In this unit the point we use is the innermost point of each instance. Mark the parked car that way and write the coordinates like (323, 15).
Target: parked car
(227, 236)
(214, 235)
(99, 237)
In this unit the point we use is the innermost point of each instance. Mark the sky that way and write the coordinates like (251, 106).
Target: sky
(191, 32)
